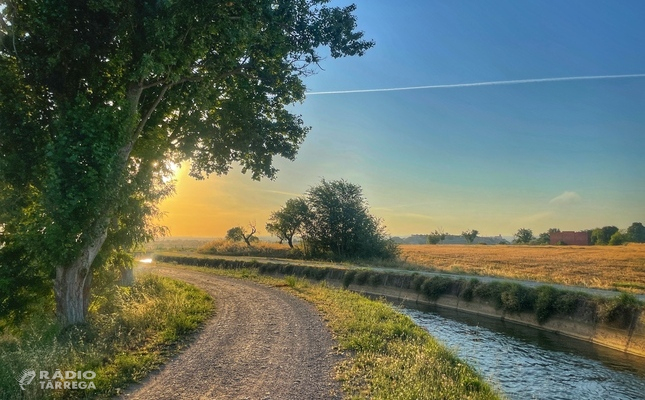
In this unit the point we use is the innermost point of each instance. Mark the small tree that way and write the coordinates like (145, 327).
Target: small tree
(470, 235)
(523, 236)
(288, 221)
(636, 233)
(437, 236)
(239, 233)
(235, 234)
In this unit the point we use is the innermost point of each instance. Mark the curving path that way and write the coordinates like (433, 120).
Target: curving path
(262, 343)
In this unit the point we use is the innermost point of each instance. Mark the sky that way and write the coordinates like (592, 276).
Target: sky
(564, 154)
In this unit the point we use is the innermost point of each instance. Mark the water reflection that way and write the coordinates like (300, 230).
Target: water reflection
(523, 362)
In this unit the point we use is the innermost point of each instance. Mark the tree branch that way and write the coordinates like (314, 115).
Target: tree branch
(148, 114)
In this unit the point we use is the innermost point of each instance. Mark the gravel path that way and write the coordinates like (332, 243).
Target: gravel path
(262, 343)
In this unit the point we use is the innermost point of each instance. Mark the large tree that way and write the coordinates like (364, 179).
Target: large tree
(98, 98)
(338, 223)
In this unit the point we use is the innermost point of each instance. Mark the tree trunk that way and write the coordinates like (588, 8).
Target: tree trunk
(290, 241)
(73, 282)
(127, 276)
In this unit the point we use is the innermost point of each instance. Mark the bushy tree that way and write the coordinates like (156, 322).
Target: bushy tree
(436, 236)
(470, 235)
(636, 233)
(289, 220)
(523, 236)
(618, 238)
(99, 98)
(603, 235)
(339, 223)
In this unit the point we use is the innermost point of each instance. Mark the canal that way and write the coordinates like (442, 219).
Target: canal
(527, 363)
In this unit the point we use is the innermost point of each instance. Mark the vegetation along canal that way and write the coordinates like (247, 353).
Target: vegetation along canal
(525, 363)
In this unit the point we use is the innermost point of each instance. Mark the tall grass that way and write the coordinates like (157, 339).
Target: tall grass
(258, 249)
(130, 332)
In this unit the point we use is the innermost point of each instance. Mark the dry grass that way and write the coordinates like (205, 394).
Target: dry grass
(591, 266)
(258, 249)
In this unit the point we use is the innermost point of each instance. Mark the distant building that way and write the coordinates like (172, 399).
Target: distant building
(572, 238)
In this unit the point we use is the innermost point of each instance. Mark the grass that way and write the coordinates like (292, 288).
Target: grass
(131, 331)
(606, 267)
(258, 249)
(388, 356)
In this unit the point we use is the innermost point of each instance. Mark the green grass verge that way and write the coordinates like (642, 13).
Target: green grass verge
(388, 356)
(131, 331)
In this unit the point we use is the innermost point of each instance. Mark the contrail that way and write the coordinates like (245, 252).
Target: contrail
(491, 83)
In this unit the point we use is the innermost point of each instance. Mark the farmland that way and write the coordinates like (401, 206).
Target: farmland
(608, 267)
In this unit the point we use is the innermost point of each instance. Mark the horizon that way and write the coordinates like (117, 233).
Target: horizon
(518, 118)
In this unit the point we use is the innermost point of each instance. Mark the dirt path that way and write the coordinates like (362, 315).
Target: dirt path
(262, 343)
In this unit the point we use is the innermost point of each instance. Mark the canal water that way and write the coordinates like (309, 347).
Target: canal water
(526, 363)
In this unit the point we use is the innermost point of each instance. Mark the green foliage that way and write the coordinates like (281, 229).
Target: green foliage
(618, 238)
(470, 235)
(620, 311)
(436, 236)
(333, 219)
(523, 236)
(602, 236)
(467, 288)
(288, 221)
(348, 277)
(239, 234)
(436, 286)
(636, 233)
(99, 99)
(235, 234)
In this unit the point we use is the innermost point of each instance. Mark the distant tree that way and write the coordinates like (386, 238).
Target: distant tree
(470, 235)
(618, 238)
(603, 235)
(289, 220)
(523, 236)
(239, 233)
(339, 223)
(545, 237)
(235, 234)
(636, 233)
(437, 236)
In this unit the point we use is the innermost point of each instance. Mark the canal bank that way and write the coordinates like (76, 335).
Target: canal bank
(617, 323)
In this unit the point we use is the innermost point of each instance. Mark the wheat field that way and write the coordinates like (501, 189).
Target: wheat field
(591, 266)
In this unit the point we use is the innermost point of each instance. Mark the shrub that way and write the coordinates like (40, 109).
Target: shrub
(375, 279)
(361, 277)
(517, 298)
(467, 288)
(545, 303)
(436, 286)
(416, 282)
(348, 277)
(619, 311)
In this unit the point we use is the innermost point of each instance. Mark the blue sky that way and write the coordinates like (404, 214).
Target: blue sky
(563, 154)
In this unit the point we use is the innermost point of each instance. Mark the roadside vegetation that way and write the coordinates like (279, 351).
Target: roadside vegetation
(130, 332)
(387, 355)
(543, 301)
